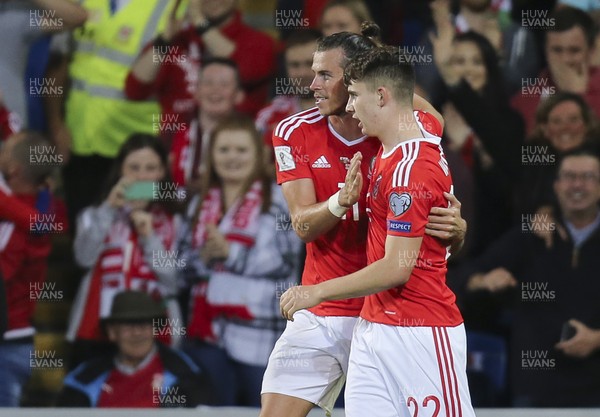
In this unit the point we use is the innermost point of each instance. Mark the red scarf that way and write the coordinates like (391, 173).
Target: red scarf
(121, 266)
(240, 224)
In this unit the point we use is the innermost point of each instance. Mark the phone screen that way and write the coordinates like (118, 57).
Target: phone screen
(141, 190)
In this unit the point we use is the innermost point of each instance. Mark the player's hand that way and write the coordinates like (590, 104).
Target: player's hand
(583, 344)
(298, 298)
(446, 223)
(350, 192)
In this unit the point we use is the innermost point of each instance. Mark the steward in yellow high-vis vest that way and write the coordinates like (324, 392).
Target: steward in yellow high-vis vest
(97, 114)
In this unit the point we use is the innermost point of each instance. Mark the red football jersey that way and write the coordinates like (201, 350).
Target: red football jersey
(306, 146)
(144, 388)
(406, 183)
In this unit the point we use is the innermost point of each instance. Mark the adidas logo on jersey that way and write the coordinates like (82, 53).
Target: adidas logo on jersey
(321, 163)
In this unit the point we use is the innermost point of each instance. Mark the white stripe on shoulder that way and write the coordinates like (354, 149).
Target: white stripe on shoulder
(286, 126)
(399, 167)
(410, 151)
(289, 132)
(414, 156)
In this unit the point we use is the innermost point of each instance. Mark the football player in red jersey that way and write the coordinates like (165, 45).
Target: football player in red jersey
(313, 150)
(409, 346)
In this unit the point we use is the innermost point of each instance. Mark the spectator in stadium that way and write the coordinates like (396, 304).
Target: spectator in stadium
(481, 126)
(564, 121)
(127, 242)
(242, 253)
(294, 94)
(218, 93)
(22, 23)
(593, 9)
(554, 287)
(168, 67)
(344, 16)
(143, 372)
(514, 44)
(93, 118)
(24, 249)
(214, 30)
(568, 50)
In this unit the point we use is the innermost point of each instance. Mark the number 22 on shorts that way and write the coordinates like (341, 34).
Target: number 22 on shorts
(412, 401)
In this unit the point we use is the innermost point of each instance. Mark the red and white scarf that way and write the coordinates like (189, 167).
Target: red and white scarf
(120, 267)
(240, 224)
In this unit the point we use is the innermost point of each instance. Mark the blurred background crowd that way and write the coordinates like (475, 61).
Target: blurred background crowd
(144, 242)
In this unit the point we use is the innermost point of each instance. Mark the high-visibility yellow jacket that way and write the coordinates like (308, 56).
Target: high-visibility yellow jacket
(98, 115)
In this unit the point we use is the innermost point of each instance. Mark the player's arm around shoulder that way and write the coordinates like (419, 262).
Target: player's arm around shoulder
(419, 103)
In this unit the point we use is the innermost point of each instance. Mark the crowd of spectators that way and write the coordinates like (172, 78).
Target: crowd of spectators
(141, 131)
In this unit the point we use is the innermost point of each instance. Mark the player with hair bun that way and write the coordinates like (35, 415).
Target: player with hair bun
(314, 150)
(409, 346)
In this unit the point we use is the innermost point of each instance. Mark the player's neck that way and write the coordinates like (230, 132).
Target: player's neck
(395, 133)
(346, 126)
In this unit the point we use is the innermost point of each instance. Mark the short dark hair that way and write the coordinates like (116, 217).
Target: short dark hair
(226, 62)
(566, 18)
(583, 150)
(548, 104)
(302, 37)
(384, 64)
(352, 44)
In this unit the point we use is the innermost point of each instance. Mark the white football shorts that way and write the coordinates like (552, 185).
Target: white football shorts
(407, 371)
(310, 359)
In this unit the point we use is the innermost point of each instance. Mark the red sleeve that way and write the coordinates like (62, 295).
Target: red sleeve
(9, 123)
(135, 89)
(291, 156)
(255, 55)
(15, 211)
(409, 200)
(430, 123)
